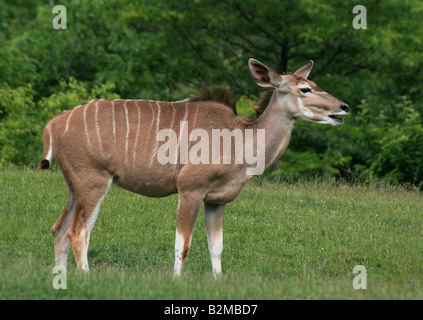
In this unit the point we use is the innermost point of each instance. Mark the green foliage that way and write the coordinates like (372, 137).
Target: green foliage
(396, 139)
(296, 165)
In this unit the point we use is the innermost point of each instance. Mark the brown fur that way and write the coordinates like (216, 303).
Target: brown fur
(221, 95)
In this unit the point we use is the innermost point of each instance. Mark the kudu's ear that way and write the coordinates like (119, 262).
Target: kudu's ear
(263, 75)
(305, 70)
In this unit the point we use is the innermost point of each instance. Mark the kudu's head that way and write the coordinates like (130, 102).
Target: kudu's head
(305, 100)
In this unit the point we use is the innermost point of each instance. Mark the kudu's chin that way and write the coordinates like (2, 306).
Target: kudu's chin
(335, 121)
(332, 119)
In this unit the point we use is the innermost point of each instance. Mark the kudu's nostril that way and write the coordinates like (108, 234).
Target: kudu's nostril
(345, 108)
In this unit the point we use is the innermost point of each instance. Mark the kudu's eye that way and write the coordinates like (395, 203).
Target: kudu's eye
(305, 89)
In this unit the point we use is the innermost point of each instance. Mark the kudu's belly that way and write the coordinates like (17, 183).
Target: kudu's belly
(148, 182)
(147, 187)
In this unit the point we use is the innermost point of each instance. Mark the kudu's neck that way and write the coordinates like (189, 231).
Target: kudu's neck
(278, 125)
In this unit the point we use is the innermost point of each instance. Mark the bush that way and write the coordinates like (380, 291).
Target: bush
(396, 142)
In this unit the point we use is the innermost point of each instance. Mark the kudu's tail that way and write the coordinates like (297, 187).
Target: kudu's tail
(48, 149)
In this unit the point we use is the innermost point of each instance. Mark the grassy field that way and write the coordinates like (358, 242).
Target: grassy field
(281, 241)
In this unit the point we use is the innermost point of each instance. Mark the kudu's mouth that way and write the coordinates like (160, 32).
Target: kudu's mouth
(334, 119)
(338, 121)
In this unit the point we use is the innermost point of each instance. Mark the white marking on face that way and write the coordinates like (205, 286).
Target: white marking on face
(341, 113)
(320, 92)
(307, 112)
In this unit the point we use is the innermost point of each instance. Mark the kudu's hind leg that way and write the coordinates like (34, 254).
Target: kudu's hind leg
(87, 206)
(213, 215)
(189, 205)
(60, 229)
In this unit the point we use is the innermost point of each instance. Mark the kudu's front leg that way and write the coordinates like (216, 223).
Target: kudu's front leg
(213, 215)
(189, 205)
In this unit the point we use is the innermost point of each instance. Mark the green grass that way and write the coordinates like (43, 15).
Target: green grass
(281, 241)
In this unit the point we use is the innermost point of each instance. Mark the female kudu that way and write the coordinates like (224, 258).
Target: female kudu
(106, 141)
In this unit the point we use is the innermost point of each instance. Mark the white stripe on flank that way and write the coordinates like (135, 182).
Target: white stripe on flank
(67, 121)
(127, 129)
(70, 116)
(85, 125)
(151, 125)
(173, 116)
(138, 131)
(113, 117)
(195, 121)
(182, 128)
(96, 126)
(156, 141)
(186, 111)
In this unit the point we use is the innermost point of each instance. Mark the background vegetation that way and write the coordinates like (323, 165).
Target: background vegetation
(167, 49)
